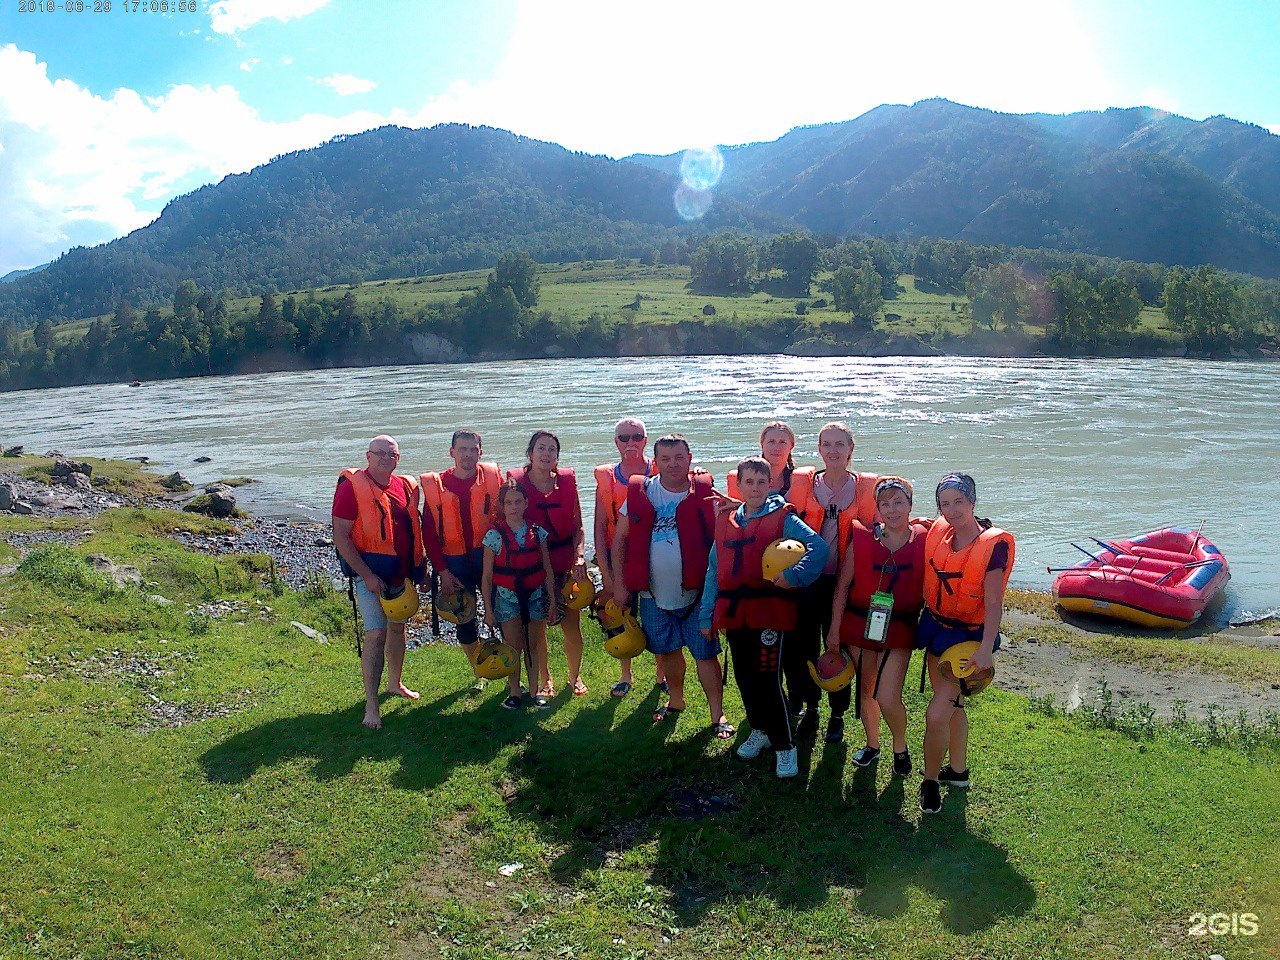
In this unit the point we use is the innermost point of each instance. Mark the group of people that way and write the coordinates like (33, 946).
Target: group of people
(818, 579)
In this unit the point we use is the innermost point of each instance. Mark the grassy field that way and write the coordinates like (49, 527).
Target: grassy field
(610, 288)
(180, 780)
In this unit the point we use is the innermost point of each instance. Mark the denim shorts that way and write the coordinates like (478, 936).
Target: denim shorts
(667, 632)
(370, 607)
(935, 638)
(506, 604)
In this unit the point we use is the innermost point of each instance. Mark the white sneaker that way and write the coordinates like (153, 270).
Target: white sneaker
(753, 745)
(788, 763)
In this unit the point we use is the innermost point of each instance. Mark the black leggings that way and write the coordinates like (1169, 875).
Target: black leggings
(806, 641)
(756, 668)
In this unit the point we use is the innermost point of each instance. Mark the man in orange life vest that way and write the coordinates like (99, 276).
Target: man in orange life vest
(377, 533)
(629, 436)
(453, 534)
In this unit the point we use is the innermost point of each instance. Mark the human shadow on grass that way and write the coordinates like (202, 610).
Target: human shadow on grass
(429, 737)
(728, 829)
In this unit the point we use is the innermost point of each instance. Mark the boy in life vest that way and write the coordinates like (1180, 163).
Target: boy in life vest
(967, 567)
(630, 437)
(515, 581)
(457, 506)
(665, 532)
(756, 613)
(377, 533)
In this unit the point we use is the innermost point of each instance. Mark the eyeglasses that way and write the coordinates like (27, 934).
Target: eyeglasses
(385, 454)
(628, 437)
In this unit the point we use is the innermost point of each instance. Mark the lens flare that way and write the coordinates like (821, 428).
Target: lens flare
(692, 204)
(701, 168)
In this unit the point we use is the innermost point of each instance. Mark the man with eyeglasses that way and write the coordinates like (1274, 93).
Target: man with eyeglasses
(629, 436)
(377, 531)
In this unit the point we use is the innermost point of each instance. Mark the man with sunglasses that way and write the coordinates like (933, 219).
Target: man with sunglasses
(377, 531)
(629, 436)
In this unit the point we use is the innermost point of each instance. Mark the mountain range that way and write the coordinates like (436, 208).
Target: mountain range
(1136, 184)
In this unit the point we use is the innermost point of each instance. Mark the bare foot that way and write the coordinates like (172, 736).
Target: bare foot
(372, 721)
(547, 691)
(579, 688)
(402, 691)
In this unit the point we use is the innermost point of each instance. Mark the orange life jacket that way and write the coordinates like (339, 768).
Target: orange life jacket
(953, 579)
(372, 533)
(613, 494)
(798, 492)
(901, 574)
(557, 512)
(446, 507)
(862, 510)
(744, 597)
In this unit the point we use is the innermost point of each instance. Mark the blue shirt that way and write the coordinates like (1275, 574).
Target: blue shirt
(802, 574)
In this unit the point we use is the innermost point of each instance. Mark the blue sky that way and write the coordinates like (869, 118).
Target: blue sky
(104, 117)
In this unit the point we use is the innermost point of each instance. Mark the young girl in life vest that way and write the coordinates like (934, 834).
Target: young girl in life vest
(967, 567)
(517, 569)
(875, 610)
(757, 613)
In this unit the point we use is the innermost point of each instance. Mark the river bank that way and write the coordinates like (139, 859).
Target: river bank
(1197, 673)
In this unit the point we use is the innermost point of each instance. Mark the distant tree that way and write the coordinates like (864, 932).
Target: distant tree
(723, 264)
(1120, 305)
(857, 290)
(518, 272)
(42, 335)
(796, 254)
(1203, 306)
(1000, 293)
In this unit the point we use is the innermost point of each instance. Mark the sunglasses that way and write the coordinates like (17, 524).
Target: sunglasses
(628, 437)
(385, 454)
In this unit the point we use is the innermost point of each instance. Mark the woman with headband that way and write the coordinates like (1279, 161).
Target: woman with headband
(967, 567)
(874, 615)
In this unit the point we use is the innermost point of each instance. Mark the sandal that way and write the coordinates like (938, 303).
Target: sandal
(541, 703)
(620, 689)
(666, 710)
(512, 702)
(580, 688)
(723, 730)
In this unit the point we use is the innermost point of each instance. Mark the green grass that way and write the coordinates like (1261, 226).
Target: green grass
(277, 827)
(123, 477)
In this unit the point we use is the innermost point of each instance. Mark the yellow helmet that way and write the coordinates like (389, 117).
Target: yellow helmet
(626, 640)
(832, 671)
(578, 594)
(781, 555)
(399, 603)
(457, 607)
(951, 666)
(496, 661)
(610, 616)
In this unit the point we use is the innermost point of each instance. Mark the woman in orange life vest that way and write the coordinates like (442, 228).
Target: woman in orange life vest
(757, 614)
(515, 581)
(795, 484)
(839, 496)
(967, 567)
(630, 437)
(884, 558)
(552, 492)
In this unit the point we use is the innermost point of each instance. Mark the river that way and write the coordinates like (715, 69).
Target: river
(1061, 449)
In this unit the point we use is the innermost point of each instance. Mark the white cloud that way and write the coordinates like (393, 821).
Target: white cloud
(287, 61)
(1274, 128)
(78, 168)
(669, 74)
(344, 84)
(249, 64)
(232, 16)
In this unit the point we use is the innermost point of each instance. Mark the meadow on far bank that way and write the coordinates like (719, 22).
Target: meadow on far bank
(185, 774)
